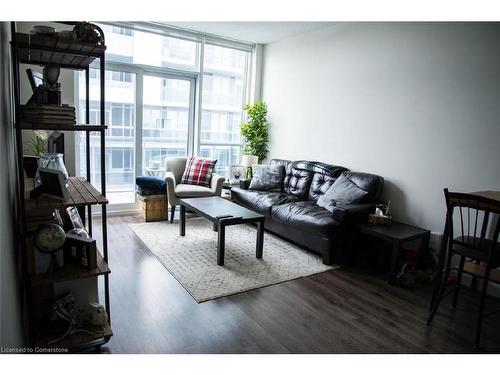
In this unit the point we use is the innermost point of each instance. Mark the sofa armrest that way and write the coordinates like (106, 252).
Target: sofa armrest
(245, 183)
(216, 184)
(170, 181)
(359, 211)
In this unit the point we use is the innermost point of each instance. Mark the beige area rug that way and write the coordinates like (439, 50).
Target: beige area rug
(192, 259)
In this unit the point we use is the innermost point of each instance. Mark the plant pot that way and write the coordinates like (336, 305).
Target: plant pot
(30, 164)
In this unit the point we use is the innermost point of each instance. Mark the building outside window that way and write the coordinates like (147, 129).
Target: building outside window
(223, 93)
(168, 125)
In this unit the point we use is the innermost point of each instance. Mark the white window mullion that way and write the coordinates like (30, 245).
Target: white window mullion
(138, 122)
(199, 104)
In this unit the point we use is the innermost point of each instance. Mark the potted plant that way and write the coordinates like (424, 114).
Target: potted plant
(255, 132)
(37, 145)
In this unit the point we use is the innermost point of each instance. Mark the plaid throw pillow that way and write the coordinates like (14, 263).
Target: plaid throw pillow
(198, 171)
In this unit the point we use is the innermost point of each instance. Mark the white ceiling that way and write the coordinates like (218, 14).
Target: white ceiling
(255, 32)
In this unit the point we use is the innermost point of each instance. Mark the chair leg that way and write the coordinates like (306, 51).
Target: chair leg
(439, 278)
(172, 213)
(481, 306)
(459, 282)
(442, 287)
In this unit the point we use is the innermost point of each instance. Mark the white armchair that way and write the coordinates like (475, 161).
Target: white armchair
(175, 190)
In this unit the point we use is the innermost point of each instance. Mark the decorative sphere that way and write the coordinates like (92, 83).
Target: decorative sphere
(79, 232)
(49, 238)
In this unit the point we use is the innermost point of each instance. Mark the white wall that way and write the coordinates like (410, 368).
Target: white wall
(417, 103)
(10, 298)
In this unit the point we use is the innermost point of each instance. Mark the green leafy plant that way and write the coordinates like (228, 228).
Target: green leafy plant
(38, 143)
(255, 132)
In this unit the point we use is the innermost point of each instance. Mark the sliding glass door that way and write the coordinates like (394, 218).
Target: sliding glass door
(149, 116)
(120, 108)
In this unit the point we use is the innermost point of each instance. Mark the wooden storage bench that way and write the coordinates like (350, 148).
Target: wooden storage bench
(154, 207)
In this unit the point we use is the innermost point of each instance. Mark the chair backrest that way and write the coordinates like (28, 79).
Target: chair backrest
(176, 165)
(471, 215)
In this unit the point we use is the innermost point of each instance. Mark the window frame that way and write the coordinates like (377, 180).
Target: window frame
(195, 77)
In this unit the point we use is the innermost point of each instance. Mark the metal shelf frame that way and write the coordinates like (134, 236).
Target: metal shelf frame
(20, 209)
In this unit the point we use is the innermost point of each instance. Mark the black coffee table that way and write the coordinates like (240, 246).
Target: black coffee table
(222, 213)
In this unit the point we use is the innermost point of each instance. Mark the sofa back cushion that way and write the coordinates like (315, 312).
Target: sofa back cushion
(324, 175)
(176, 165)
(298, 183)
(319, 185)
(307, 180)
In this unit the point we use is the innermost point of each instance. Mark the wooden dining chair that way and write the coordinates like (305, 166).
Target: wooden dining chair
(472, 215)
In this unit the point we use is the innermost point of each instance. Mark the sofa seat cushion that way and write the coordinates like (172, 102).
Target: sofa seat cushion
(260, 201)
(192, 191)
(306, 216)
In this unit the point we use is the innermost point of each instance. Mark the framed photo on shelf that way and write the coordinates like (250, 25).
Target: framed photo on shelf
(74, 218)
(80, 251)
(35, 78)
(53, 184)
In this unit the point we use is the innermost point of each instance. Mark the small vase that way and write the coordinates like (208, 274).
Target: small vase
(54, 161)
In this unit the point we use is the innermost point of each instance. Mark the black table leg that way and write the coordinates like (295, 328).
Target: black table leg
(182, 221)
(221, 243)
(260, 239)
(214, 226)
(396, 248)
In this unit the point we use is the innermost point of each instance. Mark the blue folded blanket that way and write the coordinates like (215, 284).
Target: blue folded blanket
(150, 185)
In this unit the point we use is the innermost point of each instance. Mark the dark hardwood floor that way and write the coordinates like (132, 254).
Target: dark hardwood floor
(342, 311)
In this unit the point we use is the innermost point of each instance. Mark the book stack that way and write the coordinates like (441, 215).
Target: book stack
(48, 114)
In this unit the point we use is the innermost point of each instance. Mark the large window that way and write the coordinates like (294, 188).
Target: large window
(161, 73)
(165, 120)
(120, 136)
(224, 75)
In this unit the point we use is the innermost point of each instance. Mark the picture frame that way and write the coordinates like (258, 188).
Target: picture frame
(80, 251)
(235, 170)
(53, 184)
(56, 214)
(74, 218)
(55, 143)
(35, 79)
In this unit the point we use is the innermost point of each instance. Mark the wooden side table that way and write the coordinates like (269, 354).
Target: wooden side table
(396, 234)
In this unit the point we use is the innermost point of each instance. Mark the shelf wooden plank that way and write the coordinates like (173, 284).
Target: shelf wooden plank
(75, 194)
(84, 193)
(81, 193)
(75, 127)
(75, 342)
(46, 49)
(96, 194)
(71, 272)
(479, 269)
